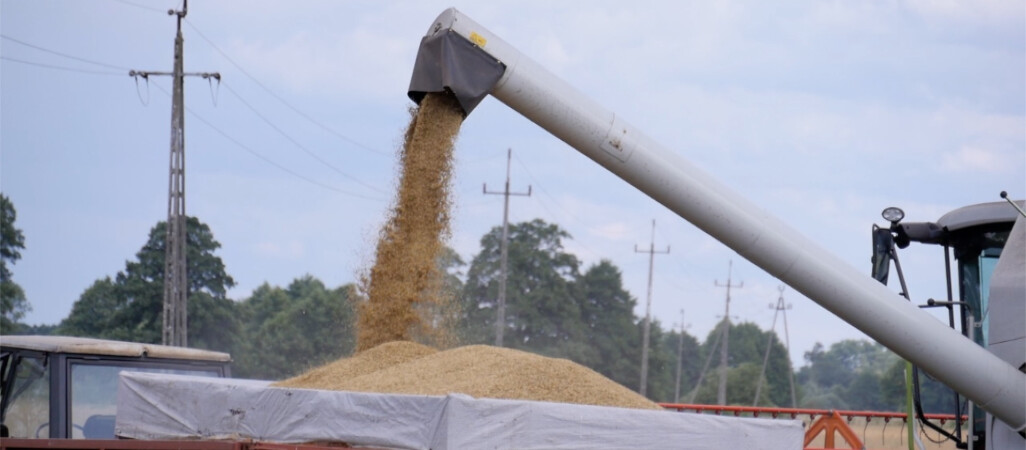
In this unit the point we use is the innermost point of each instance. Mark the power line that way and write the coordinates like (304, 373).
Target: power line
(680, 357)
(139, 5)
(648, 310)
(65, 68)
(779, 307)
(705, 367)
(282, 100)
(266, 159)
(721, 393)
(298, 145)
(563, 210)
(65, 55)
(145, 75)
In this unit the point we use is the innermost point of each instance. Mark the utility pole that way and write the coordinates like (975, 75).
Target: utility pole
(721, 393)
(705, 368)
(175, 318)
(648, 309)
(779, 307)
(500, 311)
(680, 358)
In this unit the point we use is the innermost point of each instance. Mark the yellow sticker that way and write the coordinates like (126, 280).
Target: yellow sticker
(478, 39)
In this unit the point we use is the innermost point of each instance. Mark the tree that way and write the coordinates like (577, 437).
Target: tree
(287, 331)
(851, 374)
(541, 314)
(554, 310)
(662, 362)
(934, 395)
(744, 363)
(609, 328)
(93, 313)
(13, 304)
(130, 306)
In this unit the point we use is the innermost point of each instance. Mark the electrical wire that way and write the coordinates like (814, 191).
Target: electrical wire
(139, 5)
(297, 144)
(244, 102)
(282, 100)
(266, 159)
(594, 253)
(65, 68)
(65, 55)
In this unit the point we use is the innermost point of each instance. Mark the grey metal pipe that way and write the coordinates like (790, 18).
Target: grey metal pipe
(548, 101)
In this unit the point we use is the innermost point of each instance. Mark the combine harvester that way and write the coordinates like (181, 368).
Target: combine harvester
(463, 57)
(460, 56)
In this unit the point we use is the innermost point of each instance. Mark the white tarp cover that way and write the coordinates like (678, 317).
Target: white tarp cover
(162, 406)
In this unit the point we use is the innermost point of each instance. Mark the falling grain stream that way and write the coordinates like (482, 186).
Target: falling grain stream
(404, 291)
(405, 278)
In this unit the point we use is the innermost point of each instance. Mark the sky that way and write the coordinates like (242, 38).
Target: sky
(822, 113)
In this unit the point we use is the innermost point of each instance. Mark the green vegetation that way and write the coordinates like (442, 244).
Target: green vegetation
(13, 304)
(554, 307)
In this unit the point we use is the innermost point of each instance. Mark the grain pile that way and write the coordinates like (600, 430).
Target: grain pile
(366, 362)
(405, 281)
(476, 370)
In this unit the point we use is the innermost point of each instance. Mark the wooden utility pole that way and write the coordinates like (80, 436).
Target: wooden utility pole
(176, 318)
(500, 310)
(648, 310)
(721, 393)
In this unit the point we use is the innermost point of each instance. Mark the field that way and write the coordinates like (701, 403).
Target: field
(880, 435)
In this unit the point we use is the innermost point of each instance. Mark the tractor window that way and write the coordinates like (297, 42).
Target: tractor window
(977, 251)
(26, 396)
(94, 389)
(976, 273)
(988, 260)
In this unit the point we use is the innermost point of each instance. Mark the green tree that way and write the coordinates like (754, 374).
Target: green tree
(93, 313)
(541, 314)
(13, 304)
(745, 356)
(610, 334)
(934, 395)
(287, 331)
(691, 364)
(851, 374)
(130, 306)
(554, 310)
(741, 386)
(662, 363)
(38, 330)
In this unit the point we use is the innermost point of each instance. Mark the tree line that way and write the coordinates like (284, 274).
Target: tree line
(554, 307)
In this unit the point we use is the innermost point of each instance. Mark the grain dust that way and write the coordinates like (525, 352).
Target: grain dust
(405, 284)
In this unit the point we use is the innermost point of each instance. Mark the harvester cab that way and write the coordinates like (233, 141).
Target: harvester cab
(988, 243)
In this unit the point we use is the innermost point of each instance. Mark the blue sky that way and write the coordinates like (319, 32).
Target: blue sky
(822, 113)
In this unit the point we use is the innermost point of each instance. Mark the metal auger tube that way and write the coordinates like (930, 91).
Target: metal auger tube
(461, 56)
